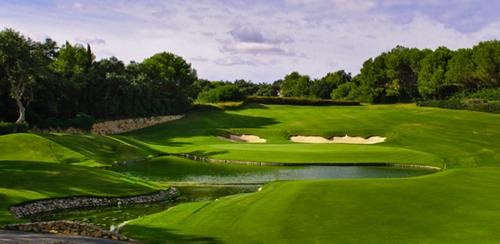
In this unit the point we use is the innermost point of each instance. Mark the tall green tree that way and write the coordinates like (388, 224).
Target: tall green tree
(169, 74)
(432, 76)
(296, 85)
(322, 88)
(486, 56)
(402, 67)
(23, 62)
(374, 82)
(247, 88)
(461, 71)
(72, 69)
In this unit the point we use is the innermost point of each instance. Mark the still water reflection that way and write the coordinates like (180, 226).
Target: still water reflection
(173, 169)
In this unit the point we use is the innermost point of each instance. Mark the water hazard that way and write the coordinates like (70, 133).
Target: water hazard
(172, 169)
(199, 181)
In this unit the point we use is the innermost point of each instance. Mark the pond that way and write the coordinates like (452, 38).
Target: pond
(172, 169)
(199, 181)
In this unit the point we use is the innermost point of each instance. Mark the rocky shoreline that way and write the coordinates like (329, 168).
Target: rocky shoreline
(33, 208)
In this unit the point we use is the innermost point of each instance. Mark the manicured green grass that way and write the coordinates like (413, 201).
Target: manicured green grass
(29, 180)
(42, 166)
(456, 206)
(414, 135)
(90, 150)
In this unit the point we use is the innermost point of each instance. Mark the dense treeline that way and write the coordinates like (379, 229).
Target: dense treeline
(407, 75)
(61, 85)
(52, 86)
(400, 75)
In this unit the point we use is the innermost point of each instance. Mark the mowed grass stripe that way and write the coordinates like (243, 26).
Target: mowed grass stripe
(423, 209)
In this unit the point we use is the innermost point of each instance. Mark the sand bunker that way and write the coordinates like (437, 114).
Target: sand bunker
(244, 138)
(338, 139)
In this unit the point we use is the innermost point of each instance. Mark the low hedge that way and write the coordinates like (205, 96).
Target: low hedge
(469, 104)
(80, 121)
(490, 94)
(300, 101)
(9, 128)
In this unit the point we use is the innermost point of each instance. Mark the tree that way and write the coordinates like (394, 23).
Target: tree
(295, 85)
(267, 90)
(246, 87)
(461, 70)
(22, 61)
(374, 81)
(486, 56)
(402, 67)
(322, 88)
(72, 69)
(170, 75)
(432, 76)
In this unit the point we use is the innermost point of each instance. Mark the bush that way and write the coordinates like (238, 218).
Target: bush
(230, 105)
(225, 93)
(9, 128)
(81, 121)
(492, 94)
(469, 104)
(299, 101)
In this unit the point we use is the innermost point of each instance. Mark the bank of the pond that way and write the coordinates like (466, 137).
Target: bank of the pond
(33, 208)
(242, 162)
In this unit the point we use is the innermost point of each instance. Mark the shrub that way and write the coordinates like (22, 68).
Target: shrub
(81, 121)
(230, 105)
(469, 104)
(9, 128)
(492, 94)
(299, 101)
(225, 93)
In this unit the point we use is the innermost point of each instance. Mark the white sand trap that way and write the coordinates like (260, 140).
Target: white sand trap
(338, 139)
(244, 138)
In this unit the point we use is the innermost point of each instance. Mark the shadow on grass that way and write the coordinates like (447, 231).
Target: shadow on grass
(160, 235)
(54, 179)
(200, 123)
(102, 149)
(251, 106)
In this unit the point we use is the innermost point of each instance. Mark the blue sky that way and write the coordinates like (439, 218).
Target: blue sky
(261, 41)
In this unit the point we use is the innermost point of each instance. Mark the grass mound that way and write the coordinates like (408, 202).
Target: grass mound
(29, 180)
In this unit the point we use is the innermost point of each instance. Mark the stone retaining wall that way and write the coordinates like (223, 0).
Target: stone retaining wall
(67, 227)
(34, 208)
(126, 125)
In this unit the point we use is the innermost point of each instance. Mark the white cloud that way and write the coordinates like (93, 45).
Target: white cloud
(77, 5)
(91, 41)
(260, 40)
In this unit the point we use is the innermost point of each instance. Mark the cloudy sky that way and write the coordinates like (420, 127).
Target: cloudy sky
(260, 40)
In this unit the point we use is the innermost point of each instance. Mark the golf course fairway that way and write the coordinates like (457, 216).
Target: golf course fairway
(458, 204)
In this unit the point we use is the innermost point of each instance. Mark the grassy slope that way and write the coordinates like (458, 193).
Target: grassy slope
(458, 205)
(415, 135)
(443, 208)
(35, 167)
